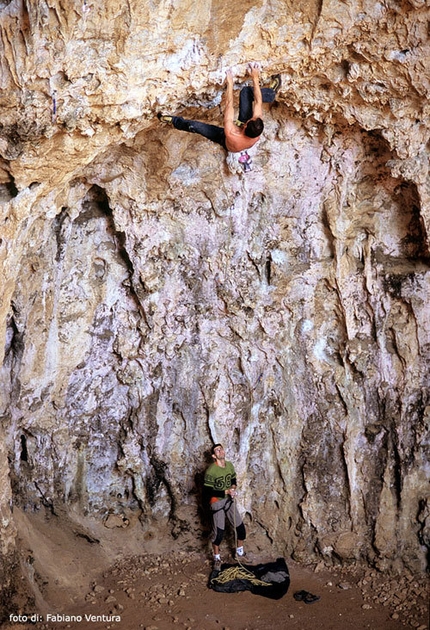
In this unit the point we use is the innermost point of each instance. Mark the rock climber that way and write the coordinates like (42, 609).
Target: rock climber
(220, 489)
(235, 136)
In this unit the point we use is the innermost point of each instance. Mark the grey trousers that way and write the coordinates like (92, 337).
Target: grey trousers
(221, 509)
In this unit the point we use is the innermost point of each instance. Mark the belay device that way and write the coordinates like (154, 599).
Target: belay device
(246, 161)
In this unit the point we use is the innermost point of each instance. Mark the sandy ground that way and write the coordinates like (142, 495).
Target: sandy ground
(164, 590)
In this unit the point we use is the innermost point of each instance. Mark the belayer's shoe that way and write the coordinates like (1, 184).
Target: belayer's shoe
(217, 564)
(165, 118)
(240, 554)
(275, 82)
(247, 557)
(306, 597)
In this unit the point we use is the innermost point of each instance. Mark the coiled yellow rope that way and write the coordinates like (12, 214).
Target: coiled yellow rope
(238, 573)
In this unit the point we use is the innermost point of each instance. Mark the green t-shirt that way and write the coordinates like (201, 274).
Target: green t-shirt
(218, 479)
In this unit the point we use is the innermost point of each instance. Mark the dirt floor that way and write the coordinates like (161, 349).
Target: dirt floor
(164, 590)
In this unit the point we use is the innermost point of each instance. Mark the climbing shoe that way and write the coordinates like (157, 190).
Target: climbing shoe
(217, 564)
(275, 82)
(166, 119)
(306, 597)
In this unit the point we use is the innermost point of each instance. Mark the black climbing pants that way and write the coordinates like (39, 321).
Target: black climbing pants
(211, 132)
(246, 100)
(215, 133)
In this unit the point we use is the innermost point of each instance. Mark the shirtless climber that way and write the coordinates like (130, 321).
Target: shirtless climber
(235, 136)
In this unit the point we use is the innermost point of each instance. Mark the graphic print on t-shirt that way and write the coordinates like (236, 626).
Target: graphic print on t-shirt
(223, 482)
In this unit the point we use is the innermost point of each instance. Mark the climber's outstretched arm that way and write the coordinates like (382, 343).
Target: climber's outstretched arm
(254, 71)
(229, 108)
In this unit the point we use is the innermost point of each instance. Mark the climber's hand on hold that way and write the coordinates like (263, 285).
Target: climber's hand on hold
(254, 70)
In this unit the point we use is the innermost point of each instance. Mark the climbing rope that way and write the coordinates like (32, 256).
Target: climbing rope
(235, 532)
(239, 572)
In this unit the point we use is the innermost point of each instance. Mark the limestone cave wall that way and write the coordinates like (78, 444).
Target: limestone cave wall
(154, 301)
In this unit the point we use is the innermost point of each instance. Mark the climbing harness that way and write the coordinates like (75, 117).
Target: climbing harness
(224, 507)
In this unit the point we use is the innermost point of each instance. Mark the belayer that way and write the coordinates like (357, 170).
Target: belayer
(220, 490)
(237, 135)
(269, 579)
